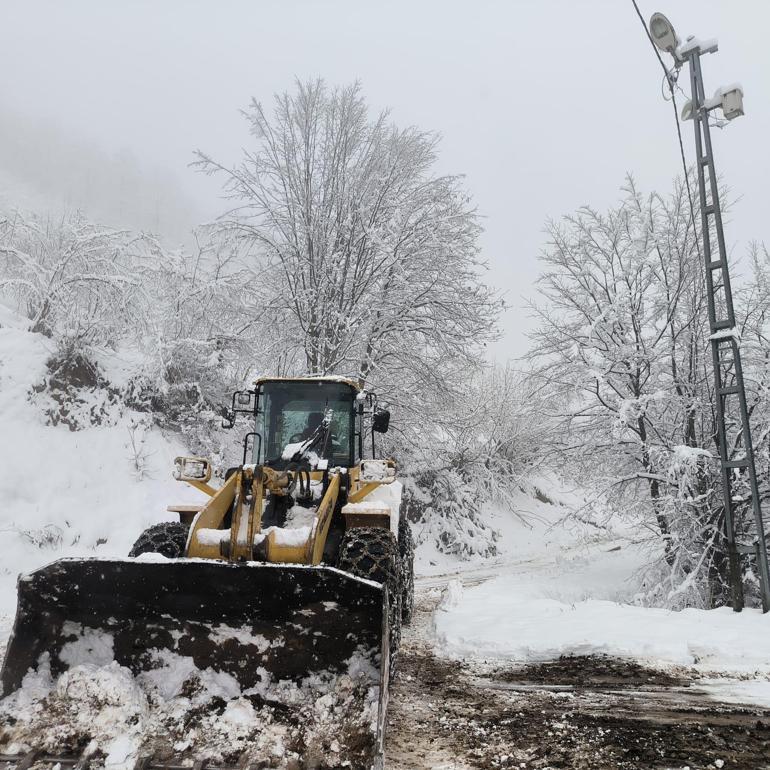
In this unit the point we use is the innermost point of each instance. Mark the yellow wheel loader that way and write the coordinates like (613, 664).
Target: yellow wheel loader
(295, 569)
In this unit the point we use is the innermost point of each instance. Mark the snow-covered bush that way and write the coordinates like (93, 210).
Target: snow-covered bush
(465, 455)
(448, 513)
(72, 279)
(75, 393)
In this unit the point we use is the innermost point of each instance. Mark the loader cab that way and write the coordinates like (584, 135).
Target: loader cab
(289, 411)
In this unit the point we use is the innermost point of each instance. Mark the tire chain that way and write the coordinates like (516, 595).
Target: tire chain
(406, 551)
(168, 538)
(372, 553)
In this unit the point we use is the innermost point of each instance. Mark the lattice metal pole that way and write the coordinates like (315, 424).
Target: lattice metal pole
(725, 350)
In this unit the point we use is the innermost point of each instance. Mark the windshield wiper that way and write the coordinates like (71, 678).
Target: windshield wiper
(320, 436)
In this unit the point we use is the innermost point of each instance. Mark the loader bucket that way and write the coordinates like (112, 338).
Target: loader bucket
(259, 623)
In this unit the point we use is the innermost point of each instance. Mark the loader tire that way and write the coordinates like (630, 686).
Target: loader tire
(406, 551)
(372, 553)
(168, 538)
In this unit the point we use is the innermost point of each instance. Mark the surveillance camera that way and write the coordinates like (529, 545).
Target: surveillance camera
(732, 101)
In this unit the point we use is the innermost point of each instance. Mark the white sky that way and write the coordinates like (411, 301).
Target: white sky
(543, 104)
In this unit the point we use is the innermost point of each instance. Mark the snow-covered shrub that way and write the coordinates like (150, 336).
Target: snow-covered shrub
(181, 407)
(72, 279)
(49, 537)
(448, 513)
(137, 446)
(199, 343)
(465, 454)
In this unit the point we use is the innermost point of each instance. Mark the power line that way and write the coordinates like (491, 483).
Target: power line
(671, 82)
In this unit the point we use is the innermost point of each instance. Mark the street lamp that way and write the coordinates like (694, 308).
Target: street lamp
(725, 350)
(663, 33)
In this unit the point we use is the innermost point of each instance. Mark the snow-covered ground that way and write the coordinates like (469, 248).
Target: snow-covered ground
(515, 618)
(561, 590)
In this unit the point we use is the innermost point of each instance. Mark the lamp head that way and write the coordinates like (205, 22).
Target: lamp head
(663, 34)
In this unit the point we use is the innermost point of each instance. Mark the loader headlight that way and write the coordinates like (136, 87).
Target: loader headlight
(192, 469)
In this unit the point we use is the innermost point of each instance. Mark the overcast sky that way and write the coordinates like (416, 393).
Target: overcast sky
(543, 104)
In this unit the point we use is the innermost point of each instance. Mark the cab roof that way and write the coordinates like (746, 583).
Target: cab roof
(313, 378)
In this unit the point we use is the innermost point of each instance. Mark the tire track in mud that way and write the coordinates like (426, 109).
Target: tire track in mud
(576, 713)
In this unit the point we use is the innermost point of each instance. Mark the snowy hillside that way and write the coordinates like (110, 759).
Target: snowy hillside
(65, 492)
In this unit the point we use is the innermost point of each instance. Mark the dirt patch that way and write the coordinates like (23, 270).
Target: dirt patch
(75, 394)
(593, 672)
(442, 717)
(73, 371)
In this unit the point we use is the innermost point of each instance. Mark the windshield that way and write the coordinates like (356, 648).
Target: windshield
(291, 412)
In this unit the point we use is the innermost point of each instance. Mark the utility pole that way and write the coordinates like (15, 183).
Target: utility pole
(730, 395)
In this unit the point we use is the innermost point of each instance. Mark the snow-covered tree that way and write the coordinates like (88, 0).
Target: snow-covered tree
(359, 258)
(365, 258)
(623, 343)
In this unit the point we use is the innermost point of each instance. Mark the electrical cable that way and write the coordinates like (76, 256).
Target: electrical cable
(676, 118)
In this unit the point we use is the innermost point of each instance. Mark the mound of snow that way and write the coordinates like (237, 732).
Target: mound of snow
(177, 709)
(515, 619)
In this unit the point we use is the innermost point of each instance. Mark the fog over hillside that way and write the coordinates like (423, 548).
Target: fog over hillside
(45, 168)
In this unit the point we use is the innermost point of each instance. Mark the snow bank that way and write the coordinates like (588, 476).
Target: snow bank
(513, 619)
(570, 590)
(754, 691)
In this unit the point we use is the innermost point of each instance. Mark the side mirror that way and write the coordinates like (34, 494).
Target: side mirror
(381, 420)
(192, 469)
(244, 402)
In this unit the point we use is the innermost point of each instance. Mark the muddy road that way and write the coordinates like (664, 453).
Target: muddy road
(579, 713)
